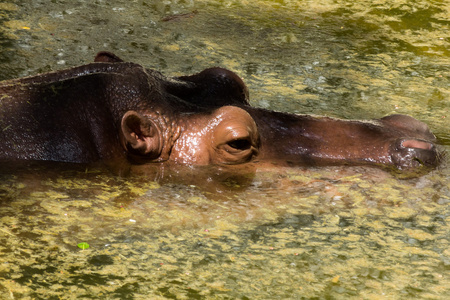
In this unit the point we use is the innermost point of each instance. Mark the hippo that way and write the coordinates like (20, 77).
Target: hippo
(121, 113)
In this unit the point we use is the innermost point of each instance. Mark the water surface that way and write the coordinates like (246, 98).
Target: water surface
(254, 233)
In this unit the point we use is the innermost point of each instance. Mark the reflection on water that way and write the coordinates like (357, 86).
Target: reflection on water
(252, 233)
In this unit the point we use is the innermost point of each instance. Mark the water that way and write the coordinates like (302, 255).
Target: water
(262, 232)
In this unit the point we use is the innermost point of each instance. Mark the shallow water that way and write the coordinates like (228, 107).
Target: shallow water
(253, 233)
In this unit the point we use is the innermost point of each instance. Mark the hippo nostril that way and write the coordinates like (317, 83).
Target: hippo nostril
(414, 154)
(417, 144)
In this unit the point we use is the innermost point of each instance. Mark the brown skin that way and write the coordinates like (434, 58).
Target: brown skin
(119, 112)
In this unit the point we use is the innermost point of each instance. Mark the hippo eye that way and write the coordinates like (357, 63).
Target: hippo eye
(235, 139)
(238, 149)
(240, 144)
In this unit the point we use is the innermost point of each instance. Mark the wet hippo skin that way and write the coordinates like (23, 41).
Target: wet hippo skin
(119, 113)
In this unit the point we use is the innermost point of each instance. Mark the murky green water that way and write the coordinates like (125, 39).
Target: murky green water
(258, 233)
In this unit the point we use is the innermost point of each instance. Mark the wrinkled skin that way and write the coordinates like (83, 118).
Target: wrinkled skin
(120, 113)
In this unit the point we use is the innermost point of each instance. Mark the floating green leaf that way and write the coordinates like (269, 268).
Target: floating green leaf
(83, 245)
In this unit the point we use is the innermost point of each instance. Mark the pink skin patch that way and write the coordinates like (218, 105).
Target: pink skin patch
(417, 144)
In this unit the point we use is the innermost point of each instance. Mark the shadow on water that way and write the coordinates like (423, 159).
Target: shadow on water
(8, 50)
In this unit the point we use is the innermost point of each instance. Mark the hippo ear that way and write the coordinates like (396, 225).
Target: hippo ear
(140, 135)
(105, 56)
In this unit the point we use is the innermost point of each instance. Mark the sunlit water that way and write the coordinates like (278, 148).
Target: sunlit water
(257, 233)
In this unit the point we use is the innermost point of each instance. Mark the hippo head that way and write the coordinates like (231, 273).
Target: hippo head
(211, 122)
(128, 113)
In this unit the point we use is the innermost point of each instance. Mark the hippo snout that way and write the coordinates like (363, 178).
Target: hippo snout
(414, 153)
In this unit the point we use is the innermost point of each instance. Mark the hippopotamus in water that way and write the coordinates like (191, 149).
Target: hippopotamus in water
(115, 111)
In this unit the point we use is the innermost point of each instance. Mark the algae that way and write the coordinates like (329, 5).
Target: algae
(272, 232)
